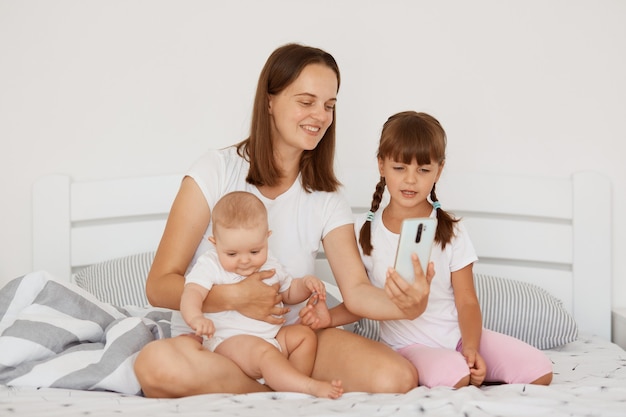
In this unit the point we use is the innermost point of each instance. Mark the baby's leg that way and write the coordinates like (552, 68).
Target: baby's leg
(260, 359)
(299, 344)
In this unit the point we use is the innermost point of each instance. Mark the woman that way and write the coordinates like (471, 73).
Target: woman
(287, 162)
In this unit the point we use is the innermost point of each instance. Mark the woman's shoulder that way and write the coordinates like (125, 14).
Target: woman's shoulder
(225, 162)
(227, 156)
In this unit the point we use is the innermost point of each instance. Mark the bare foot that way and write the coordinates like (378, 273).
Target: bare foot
(332, 390)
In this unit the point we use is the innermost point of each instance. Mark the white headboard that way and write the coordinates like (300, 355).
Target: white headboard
(553, 232)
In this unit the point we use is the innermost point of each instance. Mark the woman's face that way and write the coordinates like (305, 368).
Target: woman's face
(303, 111)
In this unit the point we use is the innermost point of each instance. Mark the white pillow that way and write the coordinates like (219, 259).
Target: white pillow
(121, 281)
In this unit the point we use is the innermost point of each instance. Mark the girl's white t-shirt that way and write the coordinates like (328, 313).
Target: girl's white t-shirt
(438, 326)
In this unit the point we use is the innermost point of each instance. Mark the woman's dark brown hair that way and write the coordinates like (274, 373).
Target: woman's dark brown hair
(405, 137)
(282, 68)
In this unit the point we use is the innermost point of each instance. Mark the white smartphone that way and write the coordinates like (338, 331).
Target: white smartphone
(416, 236)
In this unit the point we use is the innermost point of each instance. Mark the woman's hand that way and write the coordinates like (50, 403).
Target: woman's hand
(412, 299)
(257, 300)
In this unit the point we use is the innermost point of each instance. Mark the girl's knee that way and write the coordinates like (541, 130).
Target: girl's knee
(463, 382)
(543, 380)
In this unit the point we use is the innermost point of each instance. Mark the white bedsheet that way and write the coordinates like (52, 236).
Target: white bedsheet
(590, 380)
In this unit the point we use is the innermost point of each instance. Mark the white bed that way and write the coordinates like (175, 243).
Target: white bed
(551, 232)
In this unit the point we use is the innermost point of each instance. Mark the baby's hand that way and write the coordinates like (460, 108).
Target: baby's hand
(316, 286)
(315, 314)
(202, 326)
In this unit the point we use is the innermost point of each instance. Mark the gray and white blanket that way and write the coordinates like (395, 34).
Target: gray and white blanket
(55, 334)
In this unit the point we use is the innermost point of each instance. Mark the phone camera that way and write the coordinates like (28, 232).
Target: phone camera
(418, 235)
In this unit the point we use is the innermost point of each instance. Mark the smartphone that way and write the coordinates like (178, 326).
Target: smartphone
(416, 236)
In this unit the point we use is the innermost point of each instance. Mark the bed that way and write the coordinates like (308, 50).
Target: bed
(544, 275)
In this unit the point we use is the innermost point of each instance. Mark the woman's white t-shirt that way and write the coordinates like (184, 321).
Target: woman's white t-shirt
(438, 326)
(298, 219)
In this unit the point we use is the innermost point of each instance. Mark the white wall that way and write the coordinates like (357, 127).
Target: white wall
(124, 87)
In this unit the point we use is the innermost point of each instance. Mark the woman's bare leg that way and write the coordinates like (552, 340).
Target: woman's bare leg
(180, 366)
(361, 364)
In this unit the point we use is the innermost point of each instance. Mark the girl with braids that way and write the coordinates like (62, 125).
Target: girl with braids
(447, 343)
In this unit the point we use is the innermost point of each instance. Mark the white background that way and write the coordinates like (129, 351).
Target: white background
(105, 89)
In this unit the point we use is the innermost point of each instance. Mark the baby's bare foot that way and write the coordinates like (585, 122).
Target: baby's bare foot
(337, 390)
(332, 390)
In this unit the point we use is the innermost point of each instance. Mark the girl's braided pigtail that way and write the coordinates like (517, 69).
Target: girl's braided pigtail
(445, 221)
(365, 234)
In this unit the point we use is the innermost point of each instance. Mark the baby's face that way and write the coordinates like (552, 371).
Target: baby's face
(242, 250)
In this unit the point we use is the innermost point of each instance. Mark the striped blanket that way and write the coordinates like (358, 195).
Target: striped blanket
(57, 335)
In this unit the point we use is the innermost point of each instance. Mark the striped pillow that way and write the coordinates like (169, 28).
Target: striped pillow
(525, 311)
(121, 281)
(367, 328)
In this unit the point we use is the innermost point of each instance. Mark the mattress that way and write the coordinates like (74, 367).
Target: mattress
(589, 380)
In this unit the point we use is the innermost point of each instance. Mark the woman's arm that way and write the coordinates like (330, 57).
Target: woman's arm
(188, 220)
(399, 299)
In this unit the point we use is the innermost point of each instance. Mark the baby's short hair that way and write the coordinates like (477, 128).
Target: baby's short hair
(239, 209)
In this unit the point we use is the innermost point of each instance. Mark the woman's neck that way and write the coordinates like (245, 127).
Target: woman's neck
(289, 169)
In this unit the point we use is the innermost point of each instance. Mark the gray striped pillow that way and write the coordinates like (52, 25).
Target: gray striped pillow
(367, 328)
(522, 310)
(121, 281)
(525, 311)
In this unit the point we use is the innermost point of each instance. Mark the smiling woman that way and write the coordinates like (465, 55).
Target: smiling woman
(287, 162)
(315, 92)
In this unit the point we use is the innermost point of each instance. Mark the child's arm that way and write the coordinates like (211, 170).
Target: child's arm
(470, 322)
(191, 309)
(318, 316)
(302, 288)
